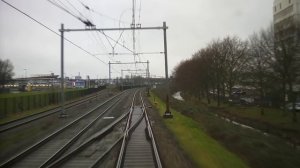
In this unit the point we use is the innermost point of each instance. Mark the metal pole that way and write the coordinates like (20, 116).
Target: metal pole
(62, 114)
(109, 75)
(148, 81)
(148, 70)
(122, 80)
(165, 50)
(133, 26)
(167, 112)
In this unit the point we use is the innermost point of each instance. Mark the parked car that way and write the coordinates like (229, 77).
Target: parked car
(289, 106)
(247, 100)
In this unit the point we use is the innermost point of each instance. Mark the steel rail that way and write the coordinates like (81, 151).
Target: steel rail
(97, 136)
(33, 117)
(119, 140)
(93, 138)
(32, 148)
(151, 136)
(149, 132)
(126, 131)
(58, 153)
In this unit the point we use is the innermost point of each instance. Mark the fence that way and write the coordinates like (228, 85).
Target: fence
(21, 102)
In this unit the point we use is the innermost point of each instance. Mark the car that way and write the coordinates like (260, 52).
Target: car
(247, 100)
(289, 106)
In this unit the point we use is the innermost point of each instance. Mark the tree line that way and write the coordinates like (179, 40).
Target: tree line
(263, 62)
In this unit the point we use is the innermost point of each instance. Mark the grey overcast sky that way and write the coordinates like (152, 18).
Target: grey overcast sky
(192, 25)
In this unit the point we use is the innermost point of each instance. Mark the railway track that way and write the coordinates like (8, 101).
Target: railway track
(139, 147)
(125, 140)
(56, 144)
(25, 120)
(92, 151)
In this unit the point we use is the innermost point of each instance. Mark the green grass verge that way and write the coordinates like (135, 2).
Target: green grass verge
(272, 116)
(204, 150)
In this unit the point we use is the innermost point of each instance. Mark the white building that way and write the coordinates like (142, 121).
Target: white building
(287, 26)
(287, 19)
(286, 10)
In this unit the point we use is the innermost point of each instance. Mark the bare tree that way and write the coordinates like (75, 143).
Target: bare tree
(286, 66)
(234, 51)
(6, 72)
(261, 59)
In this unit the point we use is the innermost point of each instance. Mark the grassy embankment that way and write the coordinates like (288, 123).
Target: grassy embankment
(256, 149)
(201, 148)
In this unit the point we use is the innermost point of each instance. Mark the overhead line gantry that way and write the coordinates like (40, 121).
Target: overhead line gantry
(93, 28)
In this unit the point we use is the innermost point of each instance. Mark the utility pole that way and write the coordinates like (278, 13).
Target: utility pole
(165, 50)
(167, 112)
(122, 80)
(148, 72)
(109, 72)
(148, 80)
(133, 26)
(62, 113)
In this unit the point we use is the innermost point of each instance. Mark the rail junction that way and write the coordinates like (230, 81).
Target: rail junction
(114, 132)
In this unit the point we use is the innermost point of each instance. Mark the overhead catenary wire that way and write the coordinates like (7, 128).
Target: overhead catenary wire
(97, 33)
(123, 25)
(100, 14)
(81, 20)
(62, 8)
(53, 31)
(76, 9)
(139, 32)
(99, 41)
(117, 42)
(87, 22)
(134, 25)
(108, 38)
(122, 45)
(58, 2)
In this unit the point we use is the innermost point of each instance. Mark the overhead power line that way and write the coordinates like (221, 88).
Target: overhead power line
(84, 20)
(63, 8)
(100, 14)
(53, 31)
(75, 8)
